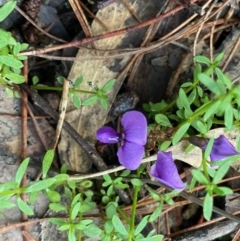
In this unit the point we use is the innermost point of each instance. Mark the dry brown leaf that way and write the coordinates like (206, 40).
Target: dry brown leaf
(88, 119)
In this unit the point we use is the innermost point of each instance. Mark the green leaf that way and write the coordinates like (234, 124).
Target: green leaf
(80, 226)
(200, 91)
(221, 87)
(64, 227)
(118, 225)
(218, 58)
(15, 78)
(21, 171)
(199, 176)
(184, 100)
(103, 103)
(78, 81)
(16, 49)
(111, 210)
(75, 210)
(197, 70)
(57, 221)
(167, 198)
(186, 84)
(71, 234)
(24, 207)
(224, 103)
(76, 101)
(8, 185)
(64, 168)
(127, 172)
(157, 237)
(221, 172)
(9, 92)
(156, 213)
(192, 184)
(60, 79)
(222, 191)
(238, 143)
(136, 182)
(6, 204)
(201, 127)
(228, 117)
(92, 231)
(61, 177)
(21, 57)
(192, 96)
(53, 196)
(47, 162)
(108, 85)
(211, 110)
(221, 76)
(209, 83)
(75, 199)
(158, 106)
(207, 206)
(164, 145)
(110, 190)
(86, 184)
(10, 61)
(24, 46)
(40, 185)
(107, 178)
(57, 207)
(180, 133)
(35, 80)
(141, 225)
(108, 226)
(202, 60)
(209, 148)
(6, 9)
(163, 120)
(91, 100)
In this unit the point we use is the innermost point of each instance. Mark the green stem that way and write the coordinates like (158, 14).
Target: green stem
(73, 90)
(204, 166)
(134, 208)
(120, 211)
(80, 231)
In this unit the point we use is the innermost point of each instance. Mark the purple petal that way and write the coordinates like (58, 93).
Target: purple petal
(165, 171)
(108, 135)
(130, 155)
(221, 149)
(135, 127)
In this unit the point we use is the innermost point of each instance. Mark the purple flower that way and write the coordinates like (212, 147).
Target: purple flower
(221, 148)
(132, 140)
(165, 171)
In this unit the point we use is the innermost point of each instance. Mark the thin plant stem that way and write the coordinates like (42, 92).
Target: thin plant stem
(80, 231)
(134, 208)
(72, 90)
(120, 211)
(204, 166)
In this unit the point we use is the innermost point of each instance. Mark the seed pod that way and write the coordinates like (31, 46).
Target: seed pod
(198, 141)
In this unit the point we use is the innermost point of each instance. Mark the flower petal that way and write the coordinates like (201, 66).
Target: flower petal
(130, 155)
(165, 171)
(135, 127)
(108, 135)
(221, 149)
